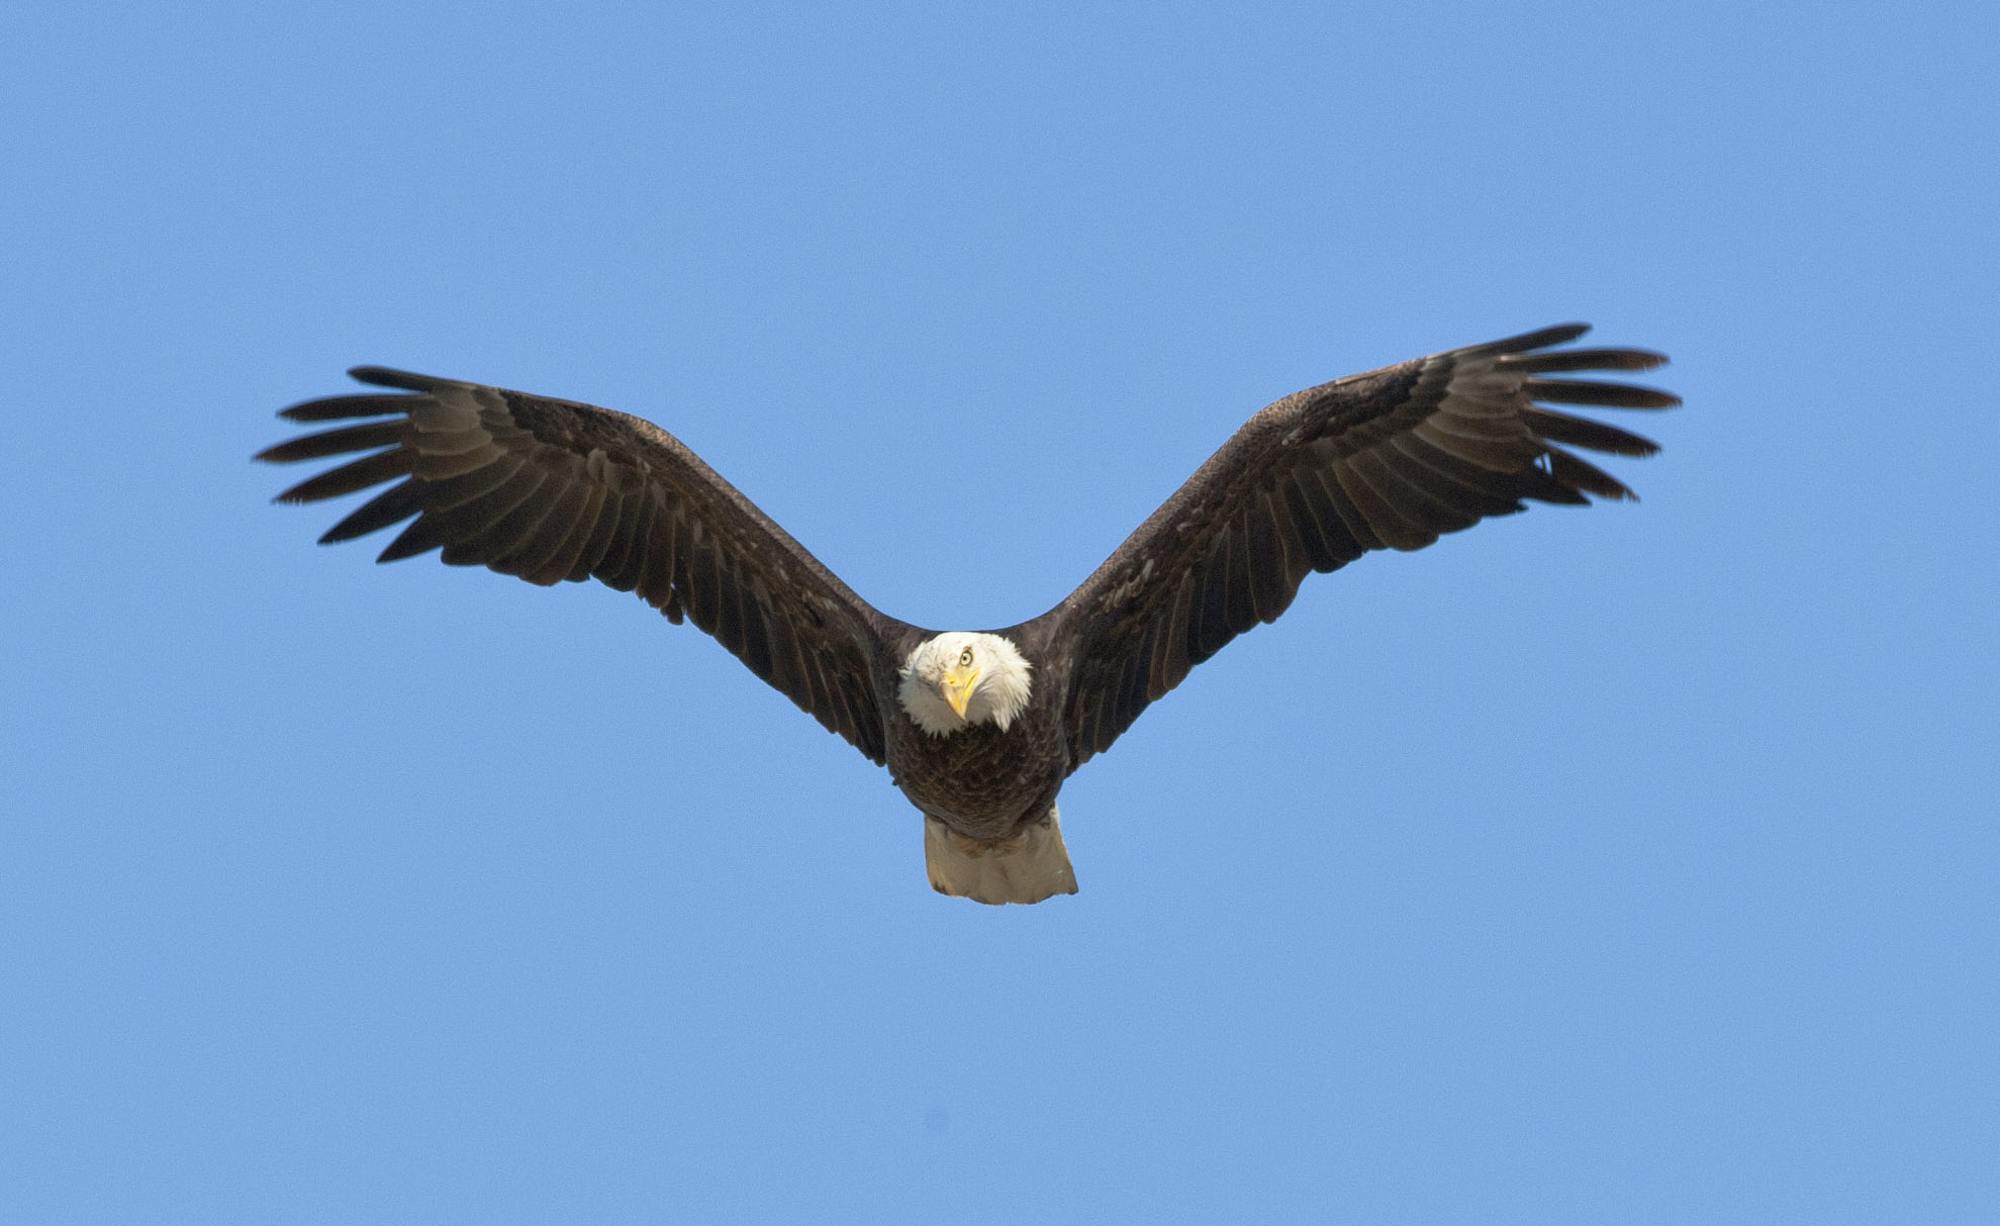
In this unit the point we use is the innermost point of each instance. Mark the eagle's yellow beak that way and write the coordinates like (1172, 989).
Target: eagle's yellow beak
(958, 686)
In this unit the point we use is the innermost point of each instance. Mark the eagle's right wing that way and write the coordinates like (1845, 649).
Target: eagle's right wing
(551, 490)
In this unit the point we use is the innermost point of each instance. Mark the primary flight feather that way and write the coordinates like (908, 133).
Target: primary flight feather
(979, 728)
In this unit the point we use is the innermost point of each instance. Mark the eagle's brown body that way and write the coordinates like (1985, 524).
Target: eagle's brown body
(982, 782)
(551, 490)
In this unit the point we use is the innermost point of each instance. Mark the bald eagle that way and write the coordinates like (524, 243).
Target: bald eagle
(979, 728)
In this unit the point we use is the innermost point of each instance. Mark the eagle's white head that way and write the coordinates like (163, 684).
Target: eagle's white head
(963, 678)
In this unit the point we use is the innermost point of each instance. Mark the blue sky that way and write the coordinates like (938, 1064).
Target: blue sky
(1626, 864)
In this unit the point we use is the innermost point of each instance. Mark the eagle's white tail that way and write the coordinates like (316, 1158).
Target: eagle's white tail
(1030, 866)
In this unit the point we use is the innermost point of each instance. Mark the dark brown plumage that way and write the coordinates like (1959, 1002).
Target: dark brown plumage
(1389, 459)
(550, 490)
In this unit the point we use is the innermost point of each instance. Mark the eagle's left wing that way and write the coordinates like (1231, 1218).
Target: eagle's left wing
(1388, 459)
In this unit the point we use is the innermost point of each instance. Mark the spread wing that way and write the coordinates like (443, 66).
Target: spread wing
(1389, 459)
(551, 490)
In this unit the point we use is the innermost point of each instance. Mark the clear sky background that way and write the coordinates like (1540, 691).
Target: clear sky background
(1630, 864)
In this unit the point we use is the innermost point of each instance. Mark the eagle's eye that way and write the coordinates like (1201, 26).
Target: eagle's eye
(965, 658)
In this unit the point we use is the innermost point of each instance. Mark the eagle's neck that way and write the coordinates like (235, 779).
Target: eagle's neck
(998, 697)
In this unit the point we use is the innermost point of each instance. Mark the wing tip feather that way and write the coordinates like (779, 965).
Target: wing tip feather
(1540, 338)
(389, 376)
(1600, 394)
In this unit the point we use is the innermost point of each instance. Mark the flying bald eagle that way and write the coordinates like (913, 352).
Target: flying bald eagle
(979, 728)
